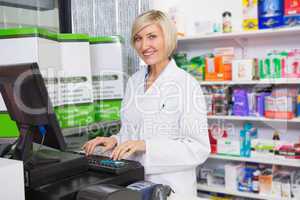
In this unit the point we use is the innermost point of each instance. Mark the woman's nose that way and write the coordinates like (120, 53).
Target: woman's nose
(145, 44)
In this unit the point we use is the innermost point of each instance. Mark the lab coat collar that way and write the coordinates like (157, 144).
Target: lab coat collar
(167, 72)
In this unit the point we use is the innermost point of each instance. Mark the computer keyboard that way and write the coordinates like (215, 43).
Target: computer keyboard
(105, 164)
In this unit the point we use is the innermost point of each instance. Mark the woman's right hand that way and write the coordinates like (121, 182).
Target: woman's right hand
(107, 142)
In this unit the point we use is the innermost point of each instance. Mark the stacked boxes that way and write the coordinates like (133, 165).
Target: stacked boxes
(75, 84)
(281, 104)
(24, 45)
(64, 62)
(108, 76)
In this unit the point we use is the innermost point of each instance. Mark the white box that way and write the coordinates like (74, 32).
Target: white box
(75, 82)
(107, 67)
(242, 70)
(109, 76)
(228, 147)
(12, 180)
(232, 172)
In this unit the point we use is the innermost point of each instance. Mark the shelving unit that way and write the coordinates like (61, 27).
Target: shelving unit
(223, 190)
(250, 118)
(289, 81)
(242, 35)
(252, 44)
(276, 160)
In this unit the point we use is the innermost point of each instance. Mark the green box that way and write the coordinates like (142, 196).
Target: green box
(107, 110)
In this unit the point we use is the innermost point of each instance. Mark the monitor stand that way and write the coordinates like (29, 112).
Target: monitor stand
(24, 148)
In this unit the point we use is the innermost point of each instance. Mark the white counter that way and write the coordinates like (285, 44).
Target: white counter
(11, 180)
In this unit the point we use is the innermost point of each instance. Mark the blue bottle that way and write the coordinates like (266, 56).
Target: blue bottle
(242, 143)
(247, 144)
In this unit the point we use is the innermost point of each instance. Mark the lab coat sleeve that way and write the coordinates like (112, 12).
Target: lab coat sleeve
(125, 125)
(191, 147)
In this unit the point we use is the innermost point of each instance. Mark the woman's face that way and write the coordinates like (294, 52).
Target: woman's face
(149, 43)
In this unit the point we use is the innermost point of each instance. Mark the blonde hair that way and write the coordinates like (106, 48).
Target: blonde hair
(167, 26)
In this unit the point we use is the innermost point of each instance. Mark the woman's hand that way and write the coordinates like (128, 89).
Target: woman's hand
(128, 148)
(107, 142)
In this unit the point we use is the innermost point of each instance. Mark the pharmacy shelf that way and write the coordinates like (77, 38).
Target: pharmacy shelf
(94, 126)
(285, 81)
(223, 190)
(250, 118)
(275, 160)
(242, 35)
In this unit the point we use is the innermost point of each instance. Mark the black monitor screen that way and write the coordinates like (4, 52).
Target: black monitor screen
(26, 98)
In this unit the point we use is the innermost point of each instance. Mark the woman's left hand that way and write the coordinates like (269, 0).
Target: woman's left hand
(128, 148)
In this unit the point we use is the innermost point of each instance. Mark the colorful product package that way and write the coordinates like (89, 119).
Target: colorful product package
(245, 179)
(270, 13)
(240, 102)
(298, 106)
(280, 107)
(250, 15)
(199, 70)
(291, 67)
(272, 66)
(242, 70)
(291, 12)
(265, 183)
(260, 103)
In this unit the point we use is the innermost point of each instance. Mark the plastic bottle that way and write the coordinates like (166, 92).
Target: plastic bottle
(247, 144)
(255, 181)
(276, 135)
(242, 143)
(178, 18)
(227, 26)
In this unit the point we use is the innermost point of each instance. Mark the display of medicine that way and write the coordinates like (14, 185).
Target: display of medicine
(227, 27)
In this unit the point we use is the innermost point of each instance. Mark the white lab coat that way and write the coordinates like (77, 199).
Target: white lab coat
(171, 118)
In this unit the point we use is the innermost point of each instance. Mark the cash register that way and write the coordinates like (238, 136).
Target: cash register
(53, 173)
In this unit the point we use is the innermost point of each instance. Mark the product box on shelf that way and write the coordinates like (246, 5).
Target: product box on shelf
(280, 107)
(272, 66)
(243, 70)
(260, 103)
(240, 102)
(291, 12)
(245, 179)
(291, 7)
(265, 182)
(270, 13)
(232, 172)
(282, 103)
(298, 106)
(291, 67)
(250, 15)
(230, 147)
(108, 76)
(263, 147)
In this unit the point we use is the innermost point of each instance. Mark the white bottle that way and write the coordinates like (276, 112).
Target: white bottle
(178, 18)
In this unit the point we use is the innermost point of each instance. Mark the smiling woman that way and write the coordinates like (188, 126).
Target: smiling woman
(163, 115)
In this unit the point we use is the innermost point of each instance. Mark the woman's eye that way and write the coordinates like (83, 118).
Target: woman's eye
(137, 39)
(152, 36)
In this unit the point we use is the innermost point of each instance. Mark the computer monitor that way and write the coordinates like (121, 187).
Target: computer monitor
(26, 98)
